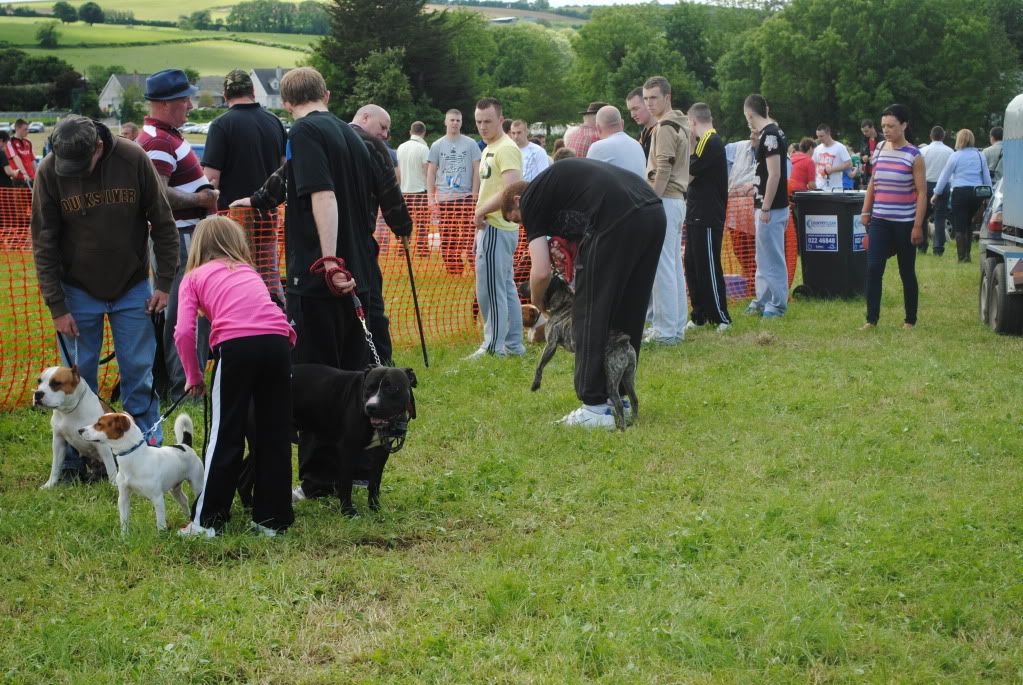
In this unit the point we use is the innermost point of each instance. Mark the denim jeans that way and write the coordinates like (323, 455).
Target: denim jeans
(772, 278)
(668, 304)
(134, 346)
(883, 235)
(175, 372)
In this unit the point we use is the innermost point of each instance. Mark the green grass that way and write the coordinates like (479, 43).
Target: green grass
(152, 9)
(209, 58)
(800, 502)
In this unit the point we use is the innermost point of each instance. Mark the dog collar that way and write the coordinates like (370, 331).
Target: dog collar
(82, 397)
(134, 447)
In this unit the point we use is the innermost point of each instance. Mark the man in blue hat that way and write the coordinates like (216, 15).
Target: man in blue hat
(188, 191)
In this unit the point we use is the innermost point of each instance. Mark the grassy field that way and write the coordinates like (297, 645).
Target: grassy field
(800, 502)
(209, 58)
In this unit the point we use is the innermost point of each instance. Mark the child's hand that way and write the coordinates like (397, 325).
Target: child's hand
(197, 390)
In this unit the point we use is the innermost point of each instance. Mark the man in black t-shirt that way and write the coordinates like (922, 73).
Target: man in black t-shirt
(705, 222)
(328, 177)
(244, 146)
(619, 223)
(772, 215)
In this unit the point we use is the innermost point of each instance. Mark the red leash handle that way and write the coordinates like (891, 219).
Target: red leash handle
(328, 266)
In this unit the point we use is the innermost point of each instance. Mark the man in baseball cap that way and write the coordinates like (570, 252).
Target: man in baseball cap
(94, 201)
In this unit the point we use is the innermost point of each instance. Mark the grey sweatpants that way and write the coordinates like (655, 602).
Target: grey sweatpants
(495, 291)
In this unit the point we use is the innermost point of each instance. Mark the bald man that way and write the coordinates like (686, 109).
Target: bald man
(374, 120)
(614, 146)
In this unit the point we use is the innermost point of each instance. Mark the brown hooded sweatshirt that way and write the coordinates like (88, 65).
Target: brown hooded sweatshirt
(92, 231)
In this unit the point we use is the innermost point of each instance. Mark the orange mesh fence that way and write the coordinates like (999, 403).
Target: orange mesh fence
(443, 258)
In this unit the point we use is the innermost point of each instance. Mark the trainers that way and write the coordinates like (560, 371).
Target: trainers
(626, 409)
(753, 310)
(722, 327)
(193, 529)
(263, 530)
(478, 354)
(297, 495)
(589, 418)
(868, 326)
(651, 338)
(692, 325)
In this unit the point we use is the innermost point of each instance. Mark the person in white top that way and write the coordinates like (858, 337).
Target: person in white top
(831, 159)
(935, 156)
(614, 146)
(412, 160)
(534, 157)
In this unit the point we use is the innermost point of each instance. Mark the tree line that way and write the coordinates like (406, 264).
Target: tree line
(956, 64)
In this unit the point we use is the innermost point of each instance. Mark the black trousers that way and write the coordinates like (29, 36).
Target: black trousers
(614, 276)
(373, 302)
(253, 370)
(964, 205)
(705, 279)
(328, 333)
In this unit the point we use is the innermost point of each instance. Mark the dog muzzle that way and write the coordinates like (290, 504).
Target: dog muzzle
(390, 432)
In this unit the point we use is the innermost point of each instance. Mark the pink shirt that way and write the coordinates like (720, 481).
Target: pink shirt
(235, 300)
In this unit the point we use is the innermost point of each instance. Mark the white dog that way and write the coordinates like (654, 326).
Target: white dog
(74, 405)
(149, 471)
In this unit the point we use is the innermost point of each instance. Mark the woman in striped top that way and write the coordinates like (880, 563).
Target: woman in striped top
(893, 212)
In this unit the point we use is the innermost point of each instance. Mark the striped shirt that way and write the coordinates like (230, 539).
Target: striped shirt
(173, 158)
(894, 191)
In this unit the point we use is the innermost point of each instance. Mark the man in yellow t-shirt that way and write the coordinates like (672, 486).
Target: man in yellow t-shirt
(496, 238)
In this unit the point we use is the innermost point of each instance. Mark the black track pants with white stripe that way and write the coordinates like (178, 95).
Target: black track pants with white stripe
(705, 278)
(251, 371)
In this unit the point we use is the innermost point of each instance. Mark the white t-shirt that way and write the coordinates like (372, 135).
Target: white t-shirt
(534, 160)
(830, 155)
(412, 156)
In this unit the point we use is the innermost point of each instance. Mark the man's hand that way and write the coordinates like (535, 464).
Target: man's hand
(479, 221)
(343, 284)
(211, 196)
(197, 390)
(157, 303)
(66, 325)
(242, 202)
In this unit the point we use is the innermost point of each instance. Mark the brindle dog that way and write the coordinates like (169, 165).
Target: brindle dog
(619, 356)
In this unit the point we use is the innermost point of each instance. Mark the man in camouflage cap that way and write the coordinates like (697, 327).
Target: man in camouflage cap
(244, 146)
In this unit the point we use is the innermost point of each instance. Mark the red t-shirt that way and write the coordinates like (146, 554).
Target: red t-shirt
(21, 148)
(173, 157)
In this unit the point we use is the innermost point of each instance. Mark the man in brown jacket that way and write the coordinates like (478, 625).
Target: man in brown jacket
(668, 172)
(95, 204)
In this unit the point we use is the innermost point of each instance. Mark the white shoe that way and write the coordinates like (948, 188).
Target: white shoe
(297, 495)
(193, 529)
(478, 354)
(589, 418)
(722, 327)
(262, 530)
(691, 325)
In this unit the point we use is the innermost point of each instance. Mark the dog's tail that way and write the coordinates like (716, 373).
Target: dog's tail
(183, 429)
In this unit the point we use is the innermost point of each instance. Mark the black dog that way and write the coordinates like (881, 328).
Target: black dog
(365, 412)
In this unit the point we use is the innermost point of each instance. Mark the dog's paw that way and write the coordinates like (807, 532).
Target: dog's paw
(535, 386)
(350, 512)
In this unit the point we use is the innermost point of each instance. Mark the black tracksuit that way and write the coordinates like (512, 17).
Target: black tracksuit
(705, 221)
(619, 223)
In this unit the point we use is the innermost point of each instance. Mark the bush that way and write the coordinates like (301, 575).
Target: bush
(48, 35)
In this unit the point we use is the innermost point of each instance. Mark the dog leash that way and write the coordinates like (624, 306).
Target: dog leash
(163, 417)
(328, 266)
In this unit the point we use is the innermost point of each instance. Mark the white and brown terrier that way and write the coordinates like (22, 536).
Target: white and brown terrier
(148, 471)
(74, 405)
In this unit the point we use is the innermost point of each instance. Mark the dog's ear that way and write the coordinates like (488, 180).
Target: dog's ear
(121, 423)
(74, 373)
(412, 381)
(411, 408)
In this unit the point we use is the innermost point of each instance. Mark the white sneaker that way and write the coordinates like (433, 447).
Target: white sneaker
(297, 495)
(478, 354)
(691, 325)
(262, 530)
(193, 529)
(589, 418)
(722, 327)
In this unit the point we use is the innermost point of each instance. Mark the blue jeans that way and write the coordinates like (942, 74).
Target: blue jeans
(772, 278)
(134, 346)
(884, 236)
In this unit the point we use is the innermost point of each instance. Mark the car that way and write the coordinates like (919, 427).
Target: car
(5, 126)
(190, 127)
(992, 222)
(36, 127)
